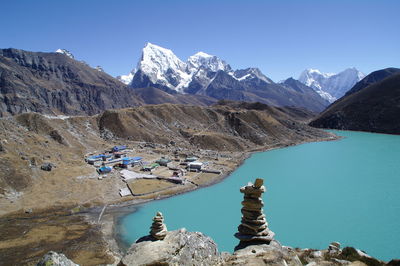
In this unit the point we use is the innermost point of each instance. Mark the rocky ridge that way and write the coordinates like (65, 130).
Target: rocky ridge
(55, 83)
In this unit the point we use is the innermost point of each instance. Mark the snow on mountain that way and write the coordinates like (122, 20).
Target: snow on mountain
(66, 52)
(210, 62)
(207, 75)
(160, 66)
(163, 67)
(329, 85)
(127, 79)
(249, 74)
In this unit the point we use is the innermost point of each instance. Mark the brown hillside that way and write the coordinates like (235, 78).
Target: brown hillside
(30, 140)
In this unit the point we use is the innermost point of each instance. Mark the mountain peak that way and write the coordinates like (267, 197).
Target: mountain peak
(329, 85)
(150, 47)
(162, 67)
(202, 54)
(66, 52)
(251, 73)
(207, 61)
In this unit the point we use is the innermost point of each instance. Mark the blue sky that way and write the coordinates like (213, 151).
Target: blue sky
(282, 38)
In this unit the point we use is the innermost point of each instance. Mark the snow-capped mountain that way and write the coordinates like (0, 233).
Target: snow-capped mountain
(251, 74)
(329, 85)
(127, 79)
(209, 62)
(160, 67)
(66, 52)
(208, 75)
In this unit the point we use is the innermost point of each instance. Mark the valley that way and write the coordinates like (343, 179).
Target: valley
(221, 136)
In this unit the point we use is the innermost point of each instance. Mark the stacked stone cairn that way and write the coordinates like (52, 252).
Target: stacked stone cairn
(158, 230)
(254, 227)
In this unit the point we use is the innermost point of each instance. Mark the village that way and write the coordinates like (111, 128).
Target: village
(146, 171)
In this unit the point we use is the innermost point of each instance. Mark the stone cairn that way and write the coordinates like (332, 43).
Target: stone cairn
(254, 227)
(158, 230)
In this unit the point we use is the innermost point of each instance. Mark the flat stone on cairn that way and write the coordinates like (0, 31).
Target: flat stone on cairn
(254, 226)
(158, 230)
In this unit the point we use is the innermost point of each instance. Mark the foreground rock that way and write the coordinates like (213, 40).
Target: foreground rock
(179, 247)
(333, 255)
(55, 259)
(264, 254)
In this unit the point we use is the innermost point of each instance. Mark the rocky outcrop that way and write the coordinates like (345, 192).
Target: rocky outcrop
(271, 254)
(179, 247)
(55, 259)
(158, 230)
(254, 227)
(334, 255)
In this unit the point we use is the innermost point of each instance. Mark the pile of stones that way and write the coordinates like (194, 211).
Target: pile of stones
(158, 229)
(254, 227)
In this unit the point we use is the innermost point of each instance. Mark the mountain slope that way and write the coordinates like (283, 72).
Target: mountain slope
(32, 139)
(375, 108)
(54, 83)
(207, 75)
(306, 94)
(158, 96)
(372, 78)
(331, 86)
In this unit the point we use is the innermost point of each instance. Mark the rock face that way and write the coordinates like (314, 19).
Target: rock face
(158, 230)
(254, 227)
(55, 259)
(54, 83)
(179, 247)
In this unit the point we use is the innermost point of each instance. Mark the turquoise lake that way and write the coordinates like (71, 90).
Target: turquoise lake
(346, 191)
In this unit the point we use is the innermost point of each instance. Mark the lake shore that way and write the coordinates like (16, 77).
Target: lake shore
(106, 243)
(110, 220)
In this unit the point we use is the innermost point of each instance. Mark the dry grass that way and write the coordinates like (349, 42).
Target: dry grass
(146, 186)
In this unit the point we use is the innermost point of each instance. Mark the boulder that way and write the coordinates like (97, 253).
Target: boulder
(353, 254)
(179, 247)
(55, 259)
(47, 166)
(264, 254)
